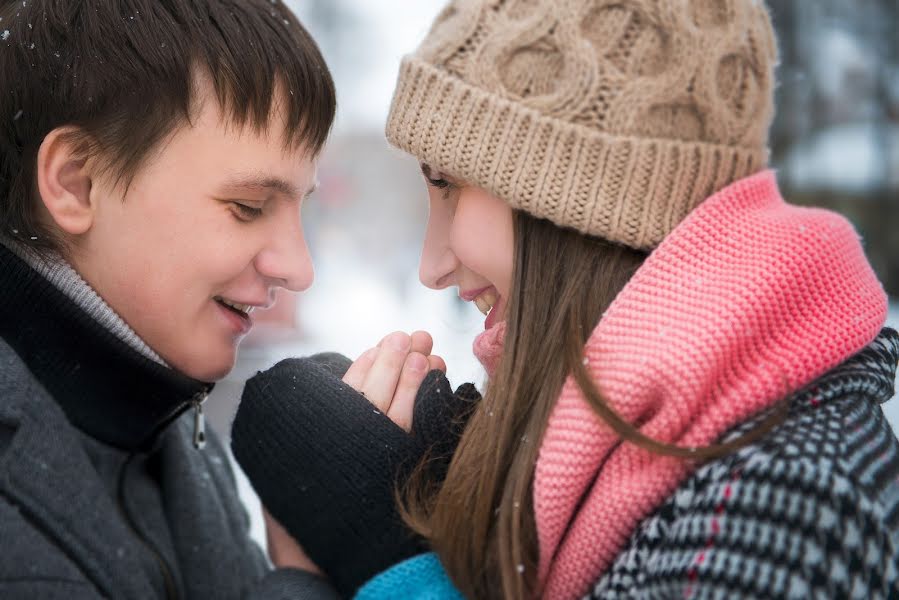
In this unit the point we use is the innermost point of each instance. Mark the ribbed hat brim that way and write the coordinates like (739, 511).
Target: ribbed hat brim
(628, 190)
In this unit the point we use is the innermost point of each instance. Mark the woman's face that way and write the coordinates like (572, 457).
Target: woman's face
(469, 244)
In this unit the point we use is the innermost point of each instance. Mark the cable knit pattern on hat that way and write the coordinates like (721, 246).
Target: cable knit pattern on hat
(612, 117)
(748, 300)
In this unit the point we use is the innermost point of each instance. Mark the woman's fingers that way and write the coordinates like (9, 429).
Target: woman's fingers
(414, 370)
(381, 380)
(390, 374)
(436, 363)
(355, 375)
(422, 342)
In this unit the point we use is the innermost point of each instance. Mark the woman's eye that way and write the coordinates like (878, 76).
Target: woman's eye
(246, 213)
(438, 183)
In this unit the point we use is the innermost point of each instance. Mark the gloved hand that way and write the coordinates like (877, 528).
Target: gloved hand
(326, 463)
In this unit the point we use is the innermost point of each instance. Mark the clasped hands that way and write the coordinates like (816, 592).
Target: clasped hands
(328, 443)
(389, 376)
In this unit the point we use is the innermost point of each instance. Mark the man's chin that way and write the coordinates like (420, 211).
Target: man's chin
(208, 368)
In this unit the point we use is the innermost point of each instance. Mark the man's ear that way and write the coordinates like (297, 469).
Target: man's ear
(64, 183)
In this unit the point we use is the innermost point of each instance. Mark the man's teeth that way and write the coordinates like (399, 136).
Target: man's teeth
(244, 308)
(485, 301)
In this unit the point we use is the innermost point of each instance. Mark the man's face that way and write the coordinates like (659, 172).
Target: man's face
(211, 219)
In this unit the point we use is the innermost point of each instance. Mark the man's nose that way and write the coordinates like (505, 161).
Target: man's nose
(285, 259)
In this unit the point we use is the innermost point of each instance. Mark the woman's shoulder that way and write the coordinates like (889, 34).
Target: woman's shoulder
(812, 507)
(834, 432)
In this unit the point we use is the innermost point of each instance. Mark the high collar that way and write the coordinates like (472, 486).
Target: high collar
(107, 388)
(747, 301)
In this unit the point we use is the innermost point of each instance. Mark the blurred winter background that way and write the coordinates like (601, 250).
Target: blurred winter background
(835, 143)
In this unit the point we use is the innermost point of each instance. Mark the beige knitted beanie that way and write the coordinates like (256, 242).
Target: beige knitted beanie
(612, 117)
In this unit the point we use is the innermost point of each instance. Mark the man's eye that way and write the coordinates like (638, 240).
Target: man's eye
(246, 213)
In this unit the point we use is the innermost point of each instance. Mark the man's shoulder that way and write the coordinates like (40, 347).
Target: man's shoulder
(23, 399)
(29, 555)
(14, 373)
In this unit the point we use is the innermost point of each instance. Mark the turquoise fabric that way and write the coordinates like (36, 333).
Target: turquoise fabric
(419, 578)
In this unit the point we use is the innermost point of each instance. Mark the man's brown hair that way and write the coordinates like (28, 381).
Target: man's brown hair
(122, 74)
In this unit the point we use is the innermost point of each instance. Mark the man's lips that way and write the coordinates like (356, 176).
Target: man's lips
(239, 313)
(240, 322)
(248, 305)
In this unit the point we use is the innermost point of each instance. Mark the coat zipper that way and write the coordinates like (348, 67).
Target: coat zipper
(199, 420)
(199, 434)
(199, 441)
(169, 581)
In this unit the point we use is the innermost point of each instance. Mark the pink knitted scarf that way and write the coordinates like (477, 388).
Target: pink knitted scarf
(748, 300)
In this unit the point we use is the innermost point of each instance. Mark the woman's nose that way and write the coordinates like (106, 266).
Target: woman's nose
(438, 261)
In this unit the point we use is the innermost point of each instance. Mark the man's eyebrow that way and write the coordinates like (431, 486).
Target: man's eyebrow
(268, 183)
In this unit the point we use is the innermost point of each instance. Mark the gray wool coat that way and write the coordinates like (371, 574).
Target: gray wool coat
(63, 523)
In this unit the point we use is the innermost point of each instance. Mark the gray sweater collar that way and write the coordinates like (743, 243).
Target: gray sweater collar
(60, 273)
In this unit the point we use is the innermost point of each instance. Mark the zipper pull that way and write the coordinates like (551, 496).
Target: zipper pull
(199, 421)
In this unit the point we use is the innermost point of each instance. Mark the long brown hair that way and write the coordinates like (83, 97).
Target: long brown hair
(480, 520)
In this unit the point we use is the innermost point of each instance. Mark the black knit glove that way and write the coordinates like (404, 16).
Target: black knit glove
(326, 463)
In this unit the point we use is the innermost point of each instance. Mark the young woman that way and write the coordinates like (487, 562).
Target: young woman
(685, 370)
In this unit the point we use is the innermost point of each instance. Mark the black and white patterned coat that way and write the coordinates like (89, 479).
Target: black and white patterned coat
(809, 511)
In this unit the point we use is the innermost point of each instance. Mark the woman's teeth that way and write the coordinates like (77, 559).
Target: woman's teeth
(244, 308)
(486, 301)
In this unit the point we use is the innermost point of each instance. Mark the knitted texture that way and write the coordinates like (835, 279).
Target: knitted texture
(419, 578)
(326, 463)
(488, 347)
(612, 118)
(60, 273)
(747, 301)
(809, 511)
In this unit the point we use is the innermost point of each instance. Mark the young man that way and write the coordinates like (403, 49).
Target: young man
(153, 155)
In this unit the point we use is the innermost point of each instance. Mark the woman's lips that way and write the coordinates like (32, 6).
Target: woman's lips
(496, 313)
(470, 295)
(488, 301)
